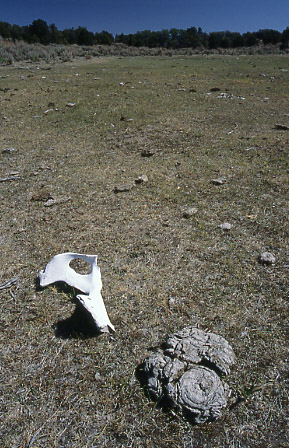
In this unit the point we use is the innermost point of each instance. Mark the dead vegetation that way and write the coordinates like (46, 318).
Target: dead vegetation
(13, 52)
(200, 119)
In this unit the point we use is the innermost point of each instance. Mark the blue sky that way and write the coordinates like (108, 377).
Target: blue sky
(129, 16)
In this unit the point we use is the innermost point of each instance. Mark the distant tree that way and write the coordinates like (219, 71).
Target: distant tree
(174, 38)
(237, 40)
(55, 35)
(203, 38)
(84, 37)
(18, 32)
(39, 32)
(215, 39)
(120, 38)
(104, 38)
(192, 37)
(250, 39)
(269, 36)
(69, 36)
(131, 40)
(164, 38)
(5, 30)
(141, 38)
(285, 39)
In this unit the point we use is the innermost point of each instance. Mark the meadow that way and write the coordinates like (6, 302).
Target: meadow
(211, 134)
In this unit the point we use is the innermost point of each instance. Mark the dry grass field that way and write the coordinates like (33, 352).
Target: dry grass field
(75, 131)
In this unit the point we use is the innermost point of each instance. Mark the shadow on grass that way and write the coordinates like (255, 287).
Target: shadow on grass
(80, 325)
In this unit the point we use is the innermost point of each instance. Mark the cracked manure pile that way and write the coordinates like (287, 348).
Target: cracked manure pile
(173, 172)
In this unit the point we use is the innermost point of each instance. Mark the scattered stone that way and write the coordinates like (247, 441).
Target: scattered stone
(267, 258)
(187, 373)
(225, 226)
(141, 179)
(49, 110)
(281, 127)
(189, 212)
(122, 188)
(70, 104)
(218, 181)
(8, 150)
(147, 152)
(225, 95)
(215, 89)
(8, 179)
(51, 202)
(122, 118)
(43, 196)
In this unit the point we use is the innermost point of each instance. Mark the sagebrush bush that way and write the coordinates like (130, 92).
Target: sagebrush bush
(11, 52)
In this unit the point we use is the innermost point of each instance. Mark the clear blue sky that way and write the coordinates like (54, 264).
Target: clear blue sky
(129, 16)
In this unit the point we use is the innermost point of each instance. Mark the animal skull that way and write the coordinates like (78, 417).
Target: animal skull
(58, 269)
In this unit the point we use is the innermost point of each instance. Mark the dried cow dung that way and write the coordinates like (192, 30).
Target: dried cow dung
(186, 373)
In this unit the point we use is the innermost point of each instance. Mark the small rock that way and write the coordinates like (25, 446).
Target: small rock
(43, 196)
(147, 152)
(8, 150)
(70, 104)
(281, 127)
(267, 258)
(123, 118)
(218, 181)
(189, 212)
(47, 111)
(225, 226)
(122, 188)
(215, 89)
(52, 202)
(171, 302)
(141, 179)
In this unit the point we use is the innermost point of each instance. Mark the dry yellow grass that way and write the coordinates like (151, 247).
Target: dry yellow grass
(61, 384)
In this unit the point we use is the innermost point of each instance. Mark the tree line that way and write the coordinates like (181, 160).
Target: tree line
(40, 32)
